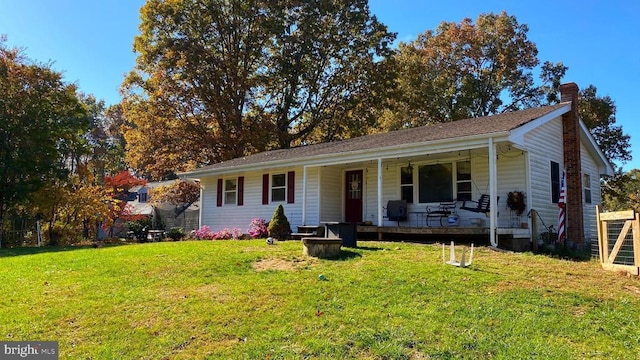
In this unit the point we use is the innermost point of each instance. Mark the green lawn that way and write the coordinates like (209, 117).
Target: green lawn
(245, 299)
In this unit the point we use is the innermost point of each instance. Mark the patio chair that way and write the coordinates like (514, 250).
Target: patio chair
(397, 210)
(481, 206)
(441, 211)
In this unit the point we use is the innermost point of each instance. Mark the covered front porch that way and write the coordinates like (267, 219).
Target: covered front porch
(360, 191)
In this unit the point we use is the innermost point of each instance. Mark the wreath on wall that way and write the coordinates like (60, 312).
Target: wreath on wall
(515, 202)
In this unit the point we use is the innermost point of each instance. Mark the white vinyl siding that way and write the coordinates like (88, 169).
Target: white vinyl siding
(218, 218)
(312, 195)
(589, 210)
(544, 145)
(512, 176)
(331, 179)
(370, 206)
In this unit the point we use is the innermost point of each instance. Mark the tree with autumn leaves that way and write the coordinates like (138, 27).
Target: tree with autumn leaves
(180, 193)
(119, 188)
(470, 69)
(53, 150)
(216, 80)
(474, 69)
(72, 209)
(41, 118)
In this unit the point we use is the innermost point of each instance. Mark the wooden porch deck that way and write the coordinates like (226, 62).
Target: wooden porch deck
(512, 238)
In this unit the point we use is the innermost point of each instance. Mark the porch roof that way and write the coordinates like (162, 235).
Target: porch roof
(474, 127)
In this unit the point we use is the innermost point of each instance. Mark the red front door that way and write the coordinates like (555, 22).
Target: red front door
(353, 196)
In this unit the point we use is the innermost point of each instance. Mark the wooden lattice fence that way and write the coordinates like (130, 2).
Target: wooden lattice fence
(619, 240)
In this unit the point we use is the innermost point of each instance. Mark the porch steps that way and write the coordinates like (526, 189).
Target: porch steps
(308, 231)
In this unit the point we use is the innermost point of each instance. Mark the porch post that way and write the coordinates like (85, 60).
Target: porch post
(199, 207)
(380, 214)
(493, 189)
(304, 195)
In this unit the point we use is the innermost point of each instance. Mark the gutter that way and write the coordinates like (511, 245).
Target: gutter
(413, 149)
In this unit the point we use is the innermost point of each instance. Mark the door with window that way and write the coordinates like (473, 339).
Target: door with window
(353, 196)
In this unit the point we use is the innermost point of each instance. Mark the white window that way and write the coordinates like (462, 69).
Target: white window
(440, 182)
(278, 187)
(586, 185)
(435, 183)
(463, 180)
(230, 191)
(406, 183)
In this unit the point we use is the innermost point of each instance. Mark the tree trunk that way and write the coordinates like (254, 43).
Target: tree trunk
(1, 221)
(53, 238)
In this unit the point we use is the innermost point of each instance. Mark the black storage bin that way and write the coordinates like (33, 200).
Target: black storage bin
(348, 232)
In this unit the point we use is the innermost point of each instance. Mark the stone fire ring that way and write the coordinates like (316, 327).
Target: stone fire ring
(324, 248)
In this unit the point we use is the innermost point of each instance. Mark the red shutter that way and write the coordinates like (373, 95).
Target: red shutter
(240, 190)
(265, 189)
(291, 187)
(219, 194)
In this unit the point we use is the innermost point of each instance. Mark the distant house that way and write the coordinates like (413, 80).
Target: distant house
(163, 215)
(354, 180)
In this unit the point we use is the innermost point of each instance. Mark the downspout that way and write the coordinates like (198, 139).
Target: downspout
(304, 195)
(201, 204)
(380, 214)
(527, 176)
(493, 190)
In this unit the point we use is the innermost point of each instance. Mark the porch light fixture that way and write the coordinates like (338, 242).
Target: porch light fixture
(410, 168)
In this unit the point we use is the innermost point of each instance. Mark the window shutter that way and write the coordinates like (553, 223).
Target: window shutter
(555, 182)
(265, 189)
(240, 190)
(219, 193)
(291, 187)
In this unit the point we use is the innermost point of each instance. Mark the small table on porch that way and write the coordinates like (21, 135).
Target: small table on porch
(420, 216)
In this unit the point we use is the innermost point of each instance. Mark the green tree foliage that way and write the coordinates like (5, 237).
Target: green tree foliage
(279, 227)
(464, 70)
(40, 124)
(599, 115)
(104, 143)
(622, 191)
(114, 124)
(217, 79)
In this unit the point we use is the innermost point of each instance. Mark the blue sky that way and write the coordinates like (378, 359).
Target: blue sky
(90, 42)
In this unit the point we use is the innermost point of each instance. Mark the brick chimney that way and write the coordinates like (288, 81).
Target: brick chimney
(573, 165)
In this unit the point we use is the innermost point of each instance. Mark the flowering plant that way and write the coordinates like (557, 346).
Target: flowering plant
(257, 228)
(227, 234)
(203, 233)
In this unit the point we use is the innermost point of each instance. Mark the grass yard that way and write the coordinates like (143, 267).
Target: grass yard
(247, 300)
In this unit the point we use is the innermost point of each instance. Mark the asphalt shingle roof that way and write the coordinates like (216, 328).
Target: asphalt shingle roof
(457, 129)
